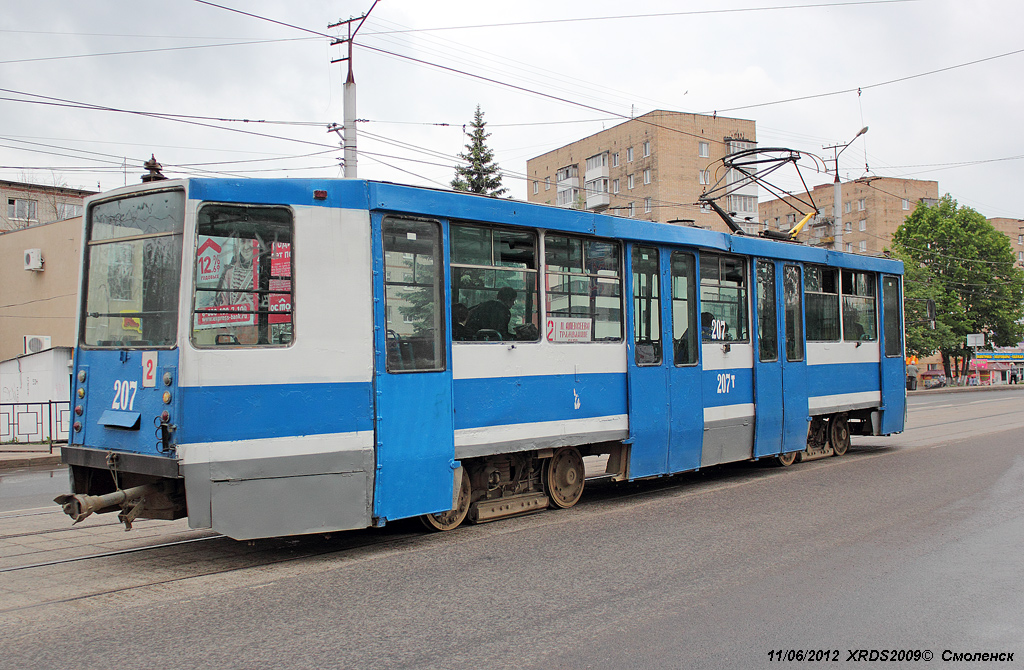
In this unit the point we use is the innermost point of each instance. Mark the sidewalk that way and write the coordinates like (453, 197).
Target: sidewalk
(966, 389)
(12, 460)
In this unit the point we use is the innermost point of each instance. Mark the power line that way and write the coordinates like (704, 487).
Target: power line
(654, 15)
(147, 51)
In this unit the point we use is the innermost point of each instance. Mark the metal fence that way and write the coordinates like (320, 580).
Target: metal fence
(24, 424)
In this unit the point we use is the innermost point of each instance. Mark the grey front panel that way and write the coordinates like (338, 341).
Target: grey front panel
(285, 495)
(727, 441)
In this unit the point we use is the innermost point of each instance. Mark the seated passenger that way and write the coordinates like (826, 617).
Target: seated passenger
(493, 315)
(460, 313)
(707, 320)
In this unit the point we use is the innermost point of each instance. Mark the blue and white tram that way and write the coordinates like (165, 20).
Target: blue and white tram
(279, 357)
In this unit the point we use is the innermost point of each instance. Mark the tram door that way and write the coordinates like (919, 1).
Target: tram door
(795, 412)
(665, 407)
(414, 421)
(767, 360)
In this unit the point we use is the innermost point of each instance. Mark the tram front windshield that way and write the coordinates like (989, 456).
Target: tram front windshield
(133, 270)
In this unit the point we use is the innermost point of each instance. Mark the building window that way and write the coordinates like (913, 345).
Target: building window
(567, 197)
(547, 183)
(821, 300)
(629, 155)
(68, 211)
(849, 247)
(647, 176)
(748, 204)
(647, 205)
(847, 208)
(1020, 256)
(584, 289)
(863, 246)
(615, 185)
(705, 177)
(848, 227)
(1020, 239)
(629, 210)
(629, 181)
(598, 161)
(703, 149)
(536, 187)
(615, 159)
(906, 204)
(18, 208)
(723, 298)
(859, 321)
(860, 205)
(863, 225)
(647, 149)
(494, 284)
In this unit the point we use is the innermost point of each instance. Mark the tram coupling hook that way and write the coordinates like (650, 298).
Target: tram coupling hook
(78, 506)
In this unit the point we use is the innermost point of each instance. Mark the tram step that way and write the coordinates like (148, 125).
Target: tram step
(815, 454)
(488, 510)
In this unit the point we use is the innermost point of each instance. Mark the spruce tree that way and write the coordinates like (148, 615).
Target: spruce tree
(482, 174)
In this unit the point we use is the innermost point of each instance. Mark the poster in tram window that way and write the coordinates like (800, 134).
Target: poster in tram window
(280, 304)
(229, 266)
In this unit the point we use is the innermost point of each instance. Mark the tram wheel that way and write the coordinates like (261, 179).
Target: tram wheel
(451, 519)
(786, 460)
(563, 477)
(839, 434)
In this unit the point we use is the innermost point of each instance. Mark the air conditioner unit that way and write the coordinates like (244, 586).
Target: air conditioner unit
(36, 343)
(34, 259)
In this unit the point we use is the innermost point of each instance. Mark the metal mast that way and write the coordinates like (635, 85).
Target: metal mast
(349, 132)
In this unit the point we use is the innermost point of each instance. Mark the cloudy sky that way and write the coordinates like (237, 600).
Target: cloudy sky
(938, 80)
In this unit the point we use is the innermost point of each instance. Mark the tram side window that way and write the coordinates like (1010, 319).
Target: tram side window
(413, 307)
(243, 281)
(767, 323)
(583, 289)
(794, 313)
(684, 309)
(494, 284)
(821, 294)
(723, 298)
(892, 307)
(646, 306)
(859, 320)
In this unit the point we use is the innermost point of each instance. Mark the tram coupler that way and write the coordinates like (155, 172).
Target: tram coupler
(79, 507)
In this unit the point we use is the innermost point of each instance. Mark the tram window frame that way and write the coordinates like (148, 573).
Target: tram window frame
(892, 316)
(647, 330)
(794, 312)
(271, 231)
(426, 351)
(685, 347)
(767, 312)
(718, 278)
(489, 269)
(859, 301)
(821, 304)
(578, 265)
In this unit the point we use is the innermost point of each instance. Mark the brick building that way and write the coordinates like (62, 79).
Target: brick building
(1013, 229)
(653, 167)
(30, 204)
(872, 209)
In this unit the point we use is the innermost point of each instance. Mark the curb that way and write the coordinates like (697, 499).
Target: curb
(967, 389)
(14, 461)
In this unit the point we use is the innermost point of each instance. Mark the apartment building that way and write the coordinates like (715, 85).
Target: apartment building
(1013, 229)
(31, 204)
(871, 210)
(653, 167)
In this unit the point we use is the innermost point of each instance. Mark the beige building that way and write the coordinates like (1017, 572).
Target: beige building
(653, 167)
(39, 287)
(1013, 229)
(872, 209)
(30, 204)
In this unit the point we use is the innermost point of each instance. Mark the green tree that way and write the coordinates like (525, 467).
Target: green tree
(482, 174)
(958, 259)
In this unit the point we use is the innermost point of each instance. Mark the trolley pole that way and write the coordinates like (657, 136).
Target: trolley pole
(837, 191)
(348, 140)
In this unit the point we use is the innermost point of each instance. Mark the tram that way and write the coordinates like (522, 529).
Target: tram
(282, 357)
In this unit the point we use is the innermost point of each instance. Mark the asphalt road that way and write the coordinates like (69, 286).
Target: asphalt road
(913, 542)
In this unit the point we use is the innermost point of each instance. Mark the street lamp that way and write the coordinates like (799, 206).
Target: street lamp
(837, 189)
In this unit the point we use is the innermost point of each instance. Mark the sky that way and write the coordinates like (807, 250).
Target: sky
(936, 82)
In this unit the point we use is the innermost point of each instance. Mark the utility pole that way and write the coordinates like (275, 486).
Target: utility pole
(837, 191)
(348, 138)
